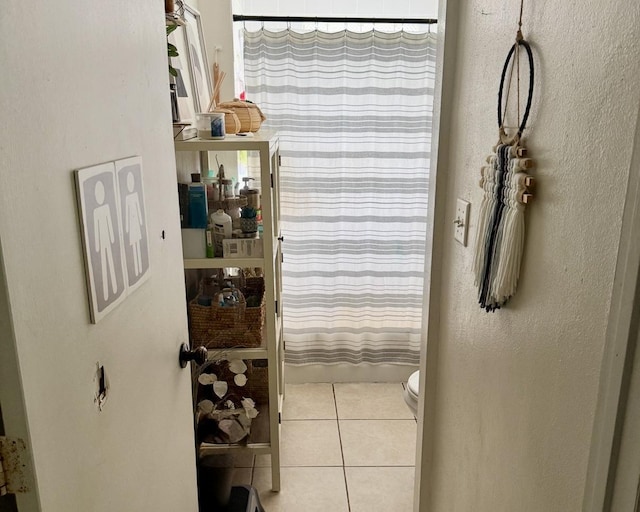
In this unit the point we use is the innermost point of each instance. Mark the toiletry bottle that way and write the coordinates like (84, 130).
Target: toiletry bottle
(252, 194)
(210, 246)
(221, 224)
(197, 203)
(211, 182)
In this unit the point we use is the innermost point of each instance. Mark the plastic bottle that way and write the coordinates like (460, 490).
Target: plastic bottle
(221, 225)
(197, 203)
(252, 194)
(211, 182)
(210, 247)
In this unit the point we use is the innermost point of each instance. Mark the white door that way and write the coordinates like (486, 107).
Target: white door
(626, 485)
(88, 85)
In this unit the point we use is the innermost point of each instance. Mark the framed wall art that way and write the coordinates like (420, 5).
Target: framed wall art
(101, 229)
(187, 106)
(113, 221)
(200, 75)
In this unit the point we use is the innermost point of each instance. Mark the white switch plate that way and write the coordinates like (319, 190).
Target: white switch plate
(461, 222)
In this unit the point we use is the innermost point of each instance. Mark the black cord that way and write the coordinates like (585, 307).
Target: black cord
(527, 110)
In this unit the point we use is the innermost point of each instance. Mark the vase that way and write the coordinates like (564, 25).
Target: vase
(249, 225)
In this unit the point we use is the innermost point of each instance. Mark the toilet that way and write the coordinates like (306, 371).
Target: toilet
(411, 392)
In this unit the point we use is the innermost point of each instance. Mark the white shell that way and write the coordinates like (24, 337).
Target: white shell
(233, 429)
(245, 421)
(206, 406)
(248, 403)
(237, 366)
(240, 379)
(249, 407)
(207, 378)
(220, 388)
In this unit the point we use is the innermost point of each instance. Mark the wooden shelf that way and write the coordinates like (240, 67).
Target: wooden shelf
(223, 263)
(255, 448)
(265, 429)
(254, 142)
(237, 353)
(196, 263)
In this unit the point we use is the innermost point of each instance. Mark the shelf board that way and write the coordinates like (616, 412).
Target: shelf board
(256, 448)
(256, 142)
(238, 353)
(223, 263)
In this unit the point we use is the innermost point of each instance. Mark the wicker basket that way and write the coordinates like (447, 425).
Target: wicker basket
(218, 326)
(231, 121)
(250, 116)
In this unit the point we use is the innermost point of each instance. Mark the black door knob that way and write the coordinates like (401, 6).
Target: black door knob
(199, 355)
(281, 238)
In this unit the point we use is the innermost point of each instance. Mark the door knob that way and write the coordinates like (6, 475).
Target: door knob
(199, 355)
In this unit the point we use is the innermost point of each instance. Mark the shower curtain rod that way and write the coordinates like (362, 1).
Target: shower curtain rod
(322, 19)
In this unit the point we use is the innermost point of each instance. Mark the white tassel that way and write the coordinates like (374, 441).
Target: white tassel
(486, 209)
(505, 280)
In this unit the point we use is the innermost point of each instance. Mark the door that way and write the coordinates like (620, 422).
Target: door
(626, 484)
(613, 474)
(8, 501)
(90, 86)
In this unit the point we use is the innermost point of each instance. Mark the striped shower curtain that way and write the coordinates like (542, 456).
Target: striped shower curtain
(354, 115)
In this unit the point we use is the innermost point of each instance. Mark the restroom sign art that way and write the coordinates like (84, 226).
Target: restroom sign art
(114, 229)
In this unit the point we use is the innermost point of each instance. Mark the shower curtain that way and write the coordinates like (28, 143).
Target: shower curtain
(353, 111)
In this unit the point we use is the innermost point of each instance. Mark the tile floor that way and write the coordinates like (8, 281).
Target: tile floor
(344, 448)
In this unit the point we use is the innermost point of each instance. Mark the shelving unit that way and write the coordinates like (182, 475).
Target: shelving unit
(272, 348)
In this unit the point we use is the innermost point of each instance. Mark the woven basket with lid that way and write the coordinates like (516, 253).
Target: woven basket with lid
(250, 116)
(231, 121)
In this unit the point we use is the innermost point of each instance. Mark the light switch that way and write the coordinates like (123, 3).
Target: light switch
(461, 222)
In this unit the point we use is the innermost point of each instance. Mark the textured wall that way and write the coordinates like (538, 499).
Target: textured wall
(516, 390)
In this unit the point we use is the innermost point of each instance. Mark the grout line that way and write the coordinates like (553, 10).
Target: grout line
(344, 469)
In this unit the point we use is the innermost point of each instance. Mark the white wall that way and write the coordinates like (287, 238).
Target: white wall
(217, 23)
(513, 399)
(86, 82)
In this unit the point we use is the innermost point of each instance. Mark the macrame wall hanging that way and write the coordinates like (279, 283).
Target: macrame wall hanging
(507, 190)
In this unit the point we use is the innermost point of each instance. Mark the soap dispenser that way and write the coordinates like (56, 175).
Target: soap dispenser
(252, 194)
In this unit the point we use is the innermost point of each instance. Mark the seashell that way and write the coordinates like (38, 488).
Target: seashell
(237, 366)
(220, 388)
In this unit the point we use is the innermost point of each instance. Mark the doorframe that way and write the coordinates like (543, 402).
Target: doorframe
(11, 392)
(436, 227)
(617, 359)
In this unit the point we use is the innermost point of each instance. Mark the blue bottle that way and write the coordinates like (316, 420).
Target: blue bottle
(197, 203)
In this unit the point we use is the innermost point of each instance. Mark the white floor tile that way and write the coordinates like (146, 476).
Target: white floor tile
(380, 489)
(371, 401)
(309, 402)
(312, 489)
(308, 443)
(378, 442)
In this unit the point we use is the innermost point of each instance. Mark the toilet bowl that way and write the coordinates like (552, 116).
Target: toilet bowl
(411, 392)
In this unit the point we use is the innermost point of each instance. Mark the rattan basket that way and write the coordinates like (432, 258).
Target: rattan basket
(250, 116)
(231, 121)
(218, 326)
